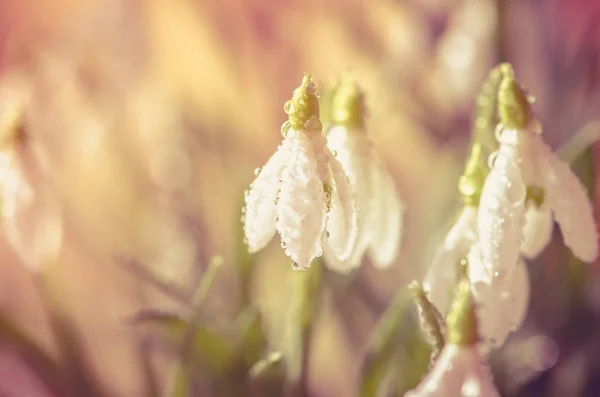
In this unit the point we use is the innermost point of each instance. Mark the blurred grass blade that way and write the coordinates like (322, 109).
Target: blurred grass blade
(152, 387)
(209, 347)
(387, 336)
(582, 141)
(267, 376)
(252, 339)
(244, 263)
(38, 360)
(305, 294)
(583, 166)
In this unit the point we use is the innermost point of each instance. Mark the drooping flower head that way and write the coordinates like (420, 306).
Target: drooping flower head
(460, 370)
(302, 192)
(381, 211)
(526, 186)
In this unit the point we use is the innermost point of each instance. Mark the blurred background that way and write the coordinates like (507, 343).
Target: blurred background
(142, 122)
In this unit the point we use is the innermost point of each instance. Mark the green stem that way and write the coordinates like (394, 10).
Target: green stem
(306, 287)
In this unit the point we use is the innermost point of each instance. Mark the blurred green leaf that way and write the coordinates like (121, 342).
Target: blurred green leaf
(387, 337)
(252, 339)
(583, 166)
(44, 365)
(267, 376)
(209, 347)
(244, 263)
(302, 307)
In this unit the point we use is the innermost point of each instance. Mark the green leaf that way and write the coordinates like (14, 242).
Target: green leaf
(583, 166)
(252, 340)
(301, 311)
(209, 347)
(388, 335)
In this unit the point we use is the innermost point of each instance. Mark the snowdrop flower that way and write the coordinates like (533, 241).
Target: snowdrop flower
(525, 171)
(460, 369)
(443, 273)
(380, 209)
(501, 307)
(302, 191)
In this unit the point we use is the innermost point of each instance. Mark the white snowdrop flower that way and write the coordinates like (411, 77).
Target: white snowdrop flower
(525, 171)
(380, 209)
(460, 370)
(501, 306)
(302, 192)
(444, 271)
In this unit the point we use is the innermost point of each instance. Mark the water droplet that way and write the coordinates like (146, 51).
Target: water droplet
(313, 124)
(246, 193)
(335, 153)
(283, 245)
(289, 107)
(285, 127)
(257, 171)
(243, 209)
(295, 266)
(327, 235)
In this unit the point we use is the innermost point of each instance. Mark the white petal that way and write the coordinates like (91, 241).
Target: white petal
(354, 152)
(538, 230)
(516, 301)
(342, 225)
(572, 208)
(260, 213)
(442, 275)
(388, 212)
(501, 304)
(459, 371)
(301, 207)
(502, 215)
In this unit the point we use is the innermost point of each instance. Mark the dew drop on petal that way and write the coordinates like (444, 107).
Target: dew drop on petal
(295, 266)
(288, 107)
(257, 170)
(327, 235)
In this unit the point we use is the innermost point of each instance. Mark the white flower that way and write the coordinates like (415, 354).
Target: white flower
(381, 211)
(443, 273)
(459, 371)
(527, 176)
(302, 192)
(501, 217)
(501, 305)
(557, 191)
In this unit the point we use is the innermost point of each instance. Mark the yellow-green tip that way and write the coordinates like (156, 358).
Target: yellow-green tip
(303, 108)
(348, 104)
(470, 184)
(514, 106)
(462, 321)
